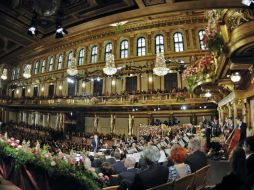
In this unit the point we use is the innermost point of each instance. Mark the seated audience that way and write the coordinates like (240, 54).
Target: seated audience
(235, 179)
(128, 176)
(154, 174)
(106, 169)
(118, 166)
(197, 159)
(179, 169)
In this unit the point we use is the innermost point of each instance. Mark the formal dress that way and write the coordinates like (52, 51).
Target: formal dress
(196, 160)
(152, 176)
(178, 171)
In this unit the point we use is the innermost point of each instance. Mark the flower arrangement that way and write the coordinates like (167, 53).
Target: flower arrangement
(213, 38)
(104, 179)
(205, 63)
(55, 165)
(180, 96)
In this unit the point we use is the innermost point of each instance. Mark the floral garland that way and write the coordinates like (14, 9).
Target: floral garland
(56, 165)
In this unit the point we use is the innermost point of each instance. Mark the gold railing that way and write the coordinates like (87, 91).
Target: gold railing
(130, 100)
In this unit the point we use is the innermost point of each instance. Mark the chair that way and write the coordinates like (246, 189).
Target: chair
(111, 187)
(165, 186)
(184, 183)
(200, 178)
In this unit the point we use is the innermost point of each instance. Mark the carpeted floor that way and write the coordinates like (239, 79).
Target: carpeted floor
(217, 171)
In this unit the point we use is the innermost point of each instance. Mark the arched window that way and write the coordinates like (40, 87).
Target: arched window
(159, 43)
(201, 35)
(43, 65)
(141, 46)
(81, 56)
(36, 67)
(178, 42)
(59, 62)
(69, 58)
(124, 46)
(51, 64)
(108, 50)
(94, 54)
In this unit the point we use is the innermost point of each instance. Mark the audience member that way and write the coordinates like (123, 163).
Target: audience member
(118, 166)
(197, 159)
(235, 179)
(249, 151)
(128, 176)
(179, 169)
(154, 174)
(106, 169)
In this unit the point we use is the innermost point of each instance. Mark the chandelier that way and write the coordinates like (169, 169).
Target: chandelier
(72, 70)
(4, 74)
(27, 71)
(160, 68)
(110, 68)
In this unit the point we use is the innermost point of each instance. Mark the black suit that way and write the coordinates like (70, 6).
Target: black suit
(243, 133)
(118, 167)
(196, 160)
(111, 160)
(250, 164)
(230, 182)
(151, 177)
(127, 178)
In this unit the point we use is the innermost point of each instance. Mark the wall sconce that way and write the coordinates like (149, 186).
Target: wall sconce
(83, 85)
(113, 82)
(60, 87)
(150, 79)
(42, 89)
(17, 91)
(28, 90)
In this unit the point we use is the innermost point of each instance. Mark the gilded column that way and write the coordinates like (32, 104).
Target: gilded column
(132, 46)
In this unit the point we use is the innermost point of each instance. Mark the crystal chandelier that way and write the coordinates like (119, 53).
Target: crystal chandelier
(27, 71)
(160, 68)
(4, 74)
(72, 70)
(110, 68)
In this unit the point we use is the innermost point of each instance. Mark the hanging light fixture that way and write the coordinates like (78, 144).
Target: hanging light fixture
(110, 68)
(60, 31)
(4, 74)
(27, 71)
(160, 68)
(235, 77)
(208, 94)
(32, 30)
(72, 70)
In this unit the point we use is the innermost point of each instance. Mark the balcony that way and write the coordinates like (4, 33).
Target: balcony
(102, 101)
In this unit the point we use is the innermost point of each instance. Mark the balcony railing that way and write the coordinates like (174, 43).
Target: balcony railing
(145, 99)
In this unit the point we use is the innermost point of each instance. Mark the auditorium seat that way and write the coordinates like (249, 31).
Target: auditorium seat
(184, 183)
(111, 187)
(166, 186)
(200, 178)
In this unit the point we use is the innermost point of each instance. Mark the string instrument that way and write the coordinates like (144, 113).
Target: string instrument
(232, 140)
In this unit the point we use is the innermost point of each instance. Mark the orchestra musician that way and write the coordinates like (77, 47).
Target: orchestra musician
(237, 136)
